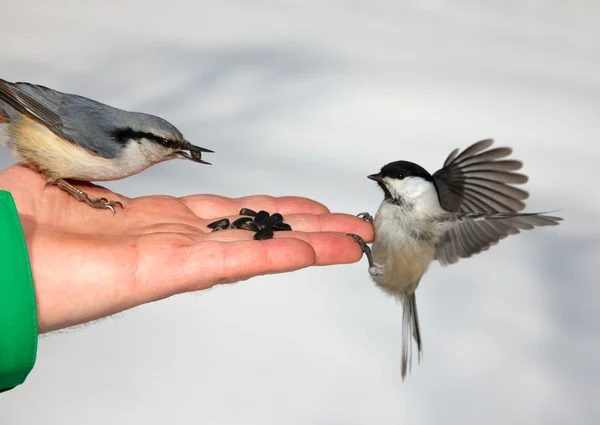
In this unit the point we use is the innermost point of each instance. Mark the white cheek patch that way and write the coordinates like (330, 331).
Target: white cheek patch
(416, 191)
(409, 188)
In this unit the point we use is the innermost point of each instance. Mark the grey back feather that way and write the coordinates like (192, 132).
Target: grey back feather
(85, 122)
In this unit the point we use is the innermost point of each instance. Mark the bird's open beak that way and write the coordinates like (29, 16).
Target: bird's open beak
(376, 177)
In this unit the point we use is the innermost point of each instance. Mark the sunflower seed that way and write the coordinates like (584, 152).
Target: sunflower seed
(281, 226)
(248, 211)
(264, 233)
(277, 217)
(216, 229)
(261, 216)
(250, 225)
(224, 222)
(237, 223)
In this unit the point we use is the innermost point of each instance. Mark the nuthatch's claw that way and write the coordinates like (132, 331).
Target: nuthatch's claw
(48, 183)
(103, 203)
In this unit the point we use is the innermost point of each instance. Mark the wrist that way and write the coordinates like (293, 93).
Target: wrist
(18, 317)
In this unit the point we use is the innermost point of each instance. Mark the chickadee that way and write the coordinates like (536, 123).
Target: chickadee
(65, 136)
(460, 210)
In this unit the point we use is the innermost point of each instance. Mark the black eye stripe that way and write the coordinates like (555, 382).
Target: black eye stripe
(123, 135)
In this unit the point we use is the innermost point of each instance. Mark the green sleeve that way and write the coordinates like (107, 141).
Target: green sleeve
(18, 317)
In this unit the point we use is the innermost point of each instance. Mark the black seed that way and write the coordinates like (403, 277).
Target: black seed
(219, 223)
(277, 217)
(264, 233)
(282, 226)
(250, 225)
(268, 222)
(237, 223)
(216, 229)
(248, 211)
(260, 216)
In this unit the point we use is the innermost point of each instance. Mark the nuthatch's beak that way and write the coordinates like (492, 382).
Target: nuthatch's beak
(195, 153)
(377, 177)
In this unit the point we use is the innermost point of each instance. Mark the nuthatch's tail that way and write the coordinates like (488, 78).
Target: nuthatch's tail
(3, 124)
(410, 330)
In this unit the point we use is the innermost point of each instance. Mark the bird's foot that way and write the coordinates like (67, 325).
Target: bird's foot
(80, 195)
(365, 248)
(366, 217)
(102, 203)
(376, 270)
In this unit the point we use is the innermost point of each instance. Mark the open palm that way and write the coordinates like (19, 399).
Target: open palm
(89, 263)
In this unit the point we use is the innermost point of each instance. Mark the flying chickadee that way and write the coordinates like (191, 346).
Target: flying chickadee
(460, 210)
(65, 136)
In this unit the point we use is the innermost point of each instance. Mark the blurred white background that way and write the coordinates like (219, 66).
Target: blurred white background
(307, 98)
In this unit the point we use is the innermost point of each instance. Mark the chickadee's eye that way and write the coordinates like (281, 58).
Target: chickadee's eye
(399, 176)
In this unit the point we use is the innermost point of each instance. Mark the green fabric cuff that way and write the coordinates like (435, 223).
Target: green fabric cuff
(18, 316)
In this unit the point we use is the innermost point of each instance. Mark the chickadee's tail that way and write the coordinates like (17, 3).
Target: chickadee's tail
(410, 330)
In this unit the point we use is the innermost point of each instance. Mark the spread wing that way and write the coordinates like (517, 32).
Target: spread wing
(481, 180)
(37, 102)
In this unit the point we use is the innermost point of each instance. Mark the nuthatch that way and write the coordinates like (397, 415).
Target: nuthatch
(462, 209)
(65, 136)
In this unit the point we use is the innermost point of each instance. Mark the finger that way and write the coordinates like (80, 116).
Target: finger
(330, 248)
(214, 206)
(210, 263)
(230, 235)
(343, 223)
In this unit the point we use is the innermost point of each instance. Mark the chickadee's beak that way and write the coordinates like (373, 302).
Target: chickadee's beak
(377, 177)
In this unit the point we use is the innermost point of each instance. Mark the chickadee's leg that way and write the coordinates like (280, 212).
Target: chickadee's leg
(374, 269)
(366, 217)
(80, 195)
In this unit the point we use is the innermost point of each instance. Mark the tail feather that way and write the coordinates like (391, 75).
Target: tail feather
(410, 331)
(4, 139)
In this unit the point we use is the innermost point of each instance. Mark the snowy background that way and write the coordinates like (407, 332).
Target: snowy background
(307, 98)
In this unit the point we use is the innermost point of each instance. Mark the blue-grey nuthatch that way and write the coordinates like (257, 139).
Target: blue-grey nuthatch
(462, 209)
(65, 136)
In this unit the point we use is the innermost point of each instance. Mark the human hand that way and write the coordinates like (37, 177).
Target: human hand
(88, 264)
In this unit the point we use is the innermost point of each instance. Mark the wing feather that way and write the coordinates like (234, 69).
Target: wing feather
(477, 185)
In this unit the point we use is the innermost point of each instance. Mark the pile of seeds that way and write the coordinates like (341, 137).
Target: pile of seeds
(263, 223)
